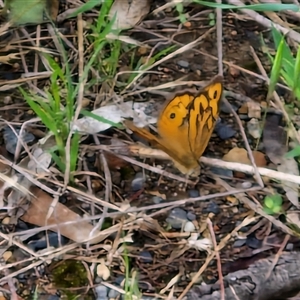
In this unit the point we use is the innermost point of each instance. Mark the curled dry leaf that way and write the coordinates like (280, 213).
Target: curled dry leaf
(128, 13)
(239, 155)
(36, 214)
(116, 113)
(259, 158)
(114, 162)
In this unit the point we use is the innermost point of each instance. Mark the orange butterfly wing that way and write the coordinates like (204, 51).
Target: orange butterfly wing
(204, 112)
(173, 127)
(187, 122)
(185, 125)
(156, 141)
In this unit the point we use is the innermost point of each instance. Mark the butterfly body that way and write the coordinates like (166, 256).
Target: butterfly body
(185, 125)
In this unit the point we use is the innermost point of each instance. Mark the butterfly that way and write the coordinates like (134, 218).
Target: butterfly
(185, 125)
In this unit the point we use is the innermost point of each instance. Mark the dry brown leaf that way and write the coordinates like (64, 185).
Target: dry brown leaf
(37, 215)
(128, 13)
(114, 162)
(239, 155)
(259, 158)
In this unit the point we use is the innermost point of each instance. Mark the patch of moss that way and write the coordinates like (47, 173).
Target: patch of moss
(70, 274)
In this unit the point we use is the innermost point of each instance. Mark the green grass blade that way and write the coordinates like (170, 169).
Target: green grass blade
(296, 82)
(101, 22)
(276, 69)
(74, 151)
(256, 7)
(288, 66)
(89, 5)
(288, 80)
(57, 71)
(45, 117)
(61, 165)
(277, 37)
(55, 90)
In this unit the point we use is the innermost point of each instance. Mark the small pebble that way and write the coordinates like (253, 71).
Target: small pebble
(146, 257)
(177, 218)
(54, 241)
(183, 64)
(113, 294)
(246, 185)
(212, 207)
(191, 216)
(11, 139)
(222, 172)
(239, 243)
(138, 182)
(189, 227)
(224, 131)
(101, 292)
(157, 199)
(193, 193)
(119, 279)
(253, 242)
(289, 247)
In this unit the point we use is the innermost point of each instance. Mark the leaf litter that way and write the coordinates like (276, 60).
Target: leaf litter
(116, 223)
